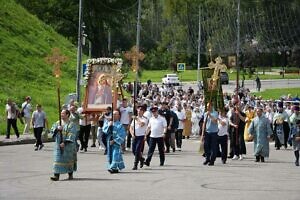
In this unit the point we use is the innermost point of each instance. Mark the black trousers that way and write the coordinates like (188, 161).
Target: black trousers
(12, 123)
(128, 138)
(277, 141)
(178, 137)
(235, 142)
(137, 147)
(104, 140)
(84, 134)
(38, 135)
(168, 138)
(160, 143)
(222, 142)
(211, 146)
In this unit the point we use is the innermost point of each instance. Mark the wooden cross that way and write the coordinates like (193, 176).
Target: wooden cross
(217, 66)
(56, 59)
(134, 55)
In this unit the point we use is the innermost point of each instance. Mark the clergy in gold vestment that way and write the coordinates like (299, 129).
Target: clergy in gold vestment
(188, 121)
(250, 114)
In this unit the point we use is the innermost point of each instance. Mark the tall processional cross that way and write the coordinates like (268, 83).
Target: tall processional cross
(134, 55)
(56, 59)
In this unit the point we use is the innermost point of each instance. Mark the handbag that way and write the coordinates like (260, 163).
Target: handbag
(201, 147)
(22, 111)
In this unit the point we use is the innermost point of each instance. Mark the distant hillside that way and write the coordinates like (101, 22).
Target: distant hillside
(25, 41)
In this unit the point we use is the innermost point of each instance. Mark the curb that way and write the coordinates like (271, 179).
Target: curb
(24, 141)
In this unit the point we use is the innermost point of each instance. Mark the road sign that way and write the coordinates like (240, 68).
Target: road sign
(180, 67)
(83, 69)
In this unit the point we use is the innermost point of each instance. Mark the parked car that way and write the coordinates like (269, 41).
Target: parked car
(170, 79)
(224, 78)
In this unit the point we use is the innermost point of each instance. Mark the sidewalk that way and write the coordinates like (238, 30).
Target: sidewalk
(23, 139)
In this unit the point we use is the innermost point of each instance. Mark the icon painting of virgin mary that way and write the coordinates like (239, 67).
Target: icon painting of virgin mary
(103, 93)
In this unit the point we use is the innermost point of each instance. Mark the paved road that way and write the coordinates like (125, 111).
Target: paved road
(266, 84)
(25, 175)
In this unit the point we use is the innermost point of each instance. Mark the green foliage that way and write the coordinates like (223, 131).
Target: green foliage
(25, 42)
(157, 60)
(277, 93)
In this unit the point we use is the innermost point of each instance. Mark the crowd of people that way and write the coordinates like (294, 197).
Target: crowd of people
(164, 116)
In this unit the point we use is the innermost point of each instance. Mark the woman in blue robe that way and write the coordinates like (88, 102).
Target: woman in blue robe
(261, 131)
(116, 134)
(65, 150)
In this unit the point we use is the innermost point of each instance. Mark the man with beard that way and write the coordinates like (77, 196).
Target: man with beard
(261, 131)
(281, 127)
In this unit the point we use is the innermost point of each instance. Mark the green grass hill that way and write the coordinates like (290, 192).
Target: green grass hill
(25, 41)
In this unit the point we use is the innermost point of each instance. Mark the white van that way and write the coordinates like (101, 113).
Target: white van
(170, 79)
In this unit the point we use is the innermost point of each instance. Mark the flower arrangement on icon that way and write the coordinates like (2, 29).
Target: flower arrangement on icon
(99, 61)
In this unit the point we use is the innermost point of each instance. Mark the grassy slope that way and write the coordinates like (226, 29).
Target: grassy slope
(24, 43)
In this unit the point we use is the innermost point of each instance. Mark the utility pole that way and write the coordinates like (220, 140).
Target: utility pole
(138, 34)
(79, 52)
(238, 48)
(199, 49)
(109, 43)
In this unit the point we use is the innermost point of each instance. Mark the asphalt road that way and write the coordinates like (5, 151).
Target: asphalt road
(266, 84)
(24, 174)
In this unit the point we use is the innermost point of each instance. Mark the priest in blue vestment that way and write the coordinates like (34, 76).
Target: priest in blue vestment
(65, 150)
(261, 131)
(116, 134)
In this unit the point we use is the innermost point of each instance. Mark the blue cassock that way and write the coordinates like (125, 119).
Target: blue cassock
(260, 129)
(65, 161)
(114, 153)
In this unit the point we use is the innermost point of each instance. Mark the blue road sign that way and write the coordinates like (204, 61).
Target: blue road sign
(180, 67)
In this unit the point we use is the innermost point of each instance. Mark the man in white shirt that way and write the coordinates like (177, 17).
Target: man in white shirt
(126, 114)
(11, 110)
(158, 127)
(223, 134)
(85, 128)
(138, 129)
(26, 108)
(178, 134)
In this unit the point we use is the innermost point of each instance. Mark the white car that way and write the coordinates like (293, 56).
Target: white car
(170, 79)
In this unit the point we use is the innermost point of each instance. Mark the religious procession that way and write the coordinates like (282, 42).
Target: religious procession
(163, 116)
(123, 119)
